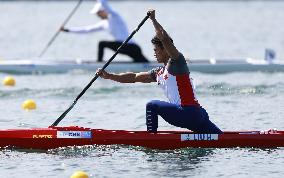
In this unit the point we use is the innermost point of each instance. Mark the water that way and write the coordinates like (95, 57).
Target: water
(236, 101)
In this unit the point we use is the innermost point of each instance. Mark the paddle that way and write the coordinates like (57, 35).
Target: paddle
(96, 76)
(58, 31)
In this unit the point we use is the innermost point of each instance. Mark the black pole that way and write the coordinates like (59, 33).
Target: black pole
(96, 76)
(58, 31)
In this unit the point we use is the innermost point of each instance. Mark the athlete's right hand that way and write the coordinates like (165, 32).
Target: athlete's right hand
(64, 29)
(151, 14)
(102, 73)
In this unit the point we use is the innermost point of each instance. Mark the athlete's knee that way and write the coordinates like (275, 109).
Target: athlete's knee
(215, 129)
(102, 44)
(210, 128)
(152, 105)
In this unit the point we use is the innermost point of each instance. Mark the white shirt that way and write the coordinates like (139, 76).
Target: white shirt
(178, 88)
(175, 80)
(115, 25)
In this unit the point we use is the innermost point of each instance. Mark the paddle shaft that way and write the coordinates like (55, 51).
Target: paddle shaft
(97, 75)
(58, 31)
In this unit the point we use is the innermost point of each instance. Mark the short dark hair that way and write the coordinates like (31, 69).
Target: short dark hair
(156, 41)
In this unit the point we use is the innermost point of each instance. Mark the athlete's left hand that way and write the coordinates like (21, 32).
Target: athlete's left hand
(102, 73)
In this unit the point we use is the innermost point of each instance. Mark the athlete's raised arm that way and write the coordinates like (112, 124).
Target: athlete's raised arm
(163, 36)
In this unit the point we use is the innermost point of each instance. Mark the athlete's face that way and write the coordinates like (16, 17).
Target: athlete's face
(102, 14)
(160, 54)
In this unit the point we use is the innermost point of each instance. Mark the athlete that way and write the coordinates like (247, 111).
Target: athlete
(183, 109)
(115, 25)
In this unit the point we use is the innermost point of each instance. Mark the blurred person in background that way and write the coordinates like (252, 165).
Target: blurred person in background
(115, 25)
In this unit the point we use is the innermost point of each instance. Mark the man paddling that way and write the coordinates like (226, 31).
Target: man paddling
(115, 25)
(183, 109)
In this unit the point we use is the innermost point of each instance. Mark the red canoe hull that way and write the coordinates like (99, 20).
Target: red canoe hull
(55, 137)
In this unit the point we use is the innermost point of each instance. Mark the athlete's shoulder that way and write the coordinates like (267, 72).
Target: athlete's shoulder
(178, 66)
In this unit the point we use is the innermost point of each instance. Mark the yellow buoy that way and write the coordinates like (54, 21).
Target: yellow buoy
(29, 104)
(9, 81)
(79, 174)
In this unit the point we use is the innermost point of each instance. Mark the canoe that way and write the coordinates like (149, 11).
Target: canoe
(55, 137)
(43, 66)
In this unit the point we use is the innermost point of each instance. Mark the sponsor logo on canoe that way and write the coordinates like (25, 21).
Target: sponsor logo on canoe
(42, 136)
(74, 134)
(186, 137)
